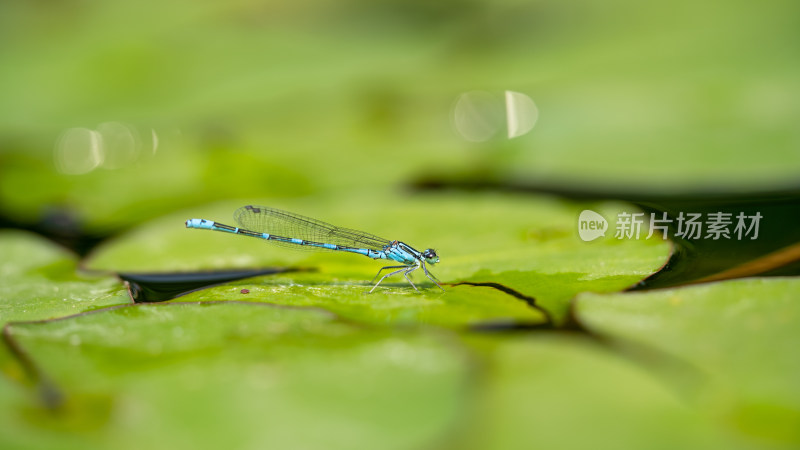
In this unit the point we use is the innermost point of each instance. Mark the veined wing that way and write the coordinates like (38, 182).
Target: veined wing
(283, 223)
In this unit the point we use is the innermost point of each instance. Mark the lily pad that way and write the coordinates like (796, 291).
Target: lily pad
(39, 280)
(741, 335)
(246, 375)
(395, 303)
(18, 426)
(526, 244)
(538, 389)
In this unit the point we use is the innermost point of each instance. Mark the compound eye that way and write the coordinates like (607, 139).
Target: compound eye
(430, 253)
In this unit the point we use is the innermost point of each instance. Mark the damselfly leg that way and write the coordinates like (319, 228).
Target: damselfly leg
(384, 268)
(431, 277)
(405, 268)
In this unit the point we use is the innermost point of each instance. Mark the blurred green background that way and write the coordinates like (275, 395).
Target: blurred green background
(273, 99)
(119, 120)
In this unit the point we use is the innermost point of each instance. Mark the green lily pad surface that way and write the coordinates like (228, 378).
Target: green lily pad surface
(244, 375)
(38, 280)
(529, 245)
(537, 384)
(253, 363)
(394, 304)
(741, 337)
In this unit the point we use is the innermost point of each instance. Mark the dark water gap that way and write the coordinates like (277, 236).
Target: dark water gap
(159, 287)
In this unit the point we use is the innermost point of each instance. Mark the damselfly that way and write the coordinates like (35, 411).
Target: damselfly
(293, 230)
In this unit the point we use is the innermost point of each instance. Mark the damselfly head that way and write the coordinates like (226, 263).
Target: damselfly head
(430, 256)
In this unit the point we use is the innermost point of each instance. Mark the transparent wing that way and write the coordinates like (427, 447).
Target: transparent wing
(283, 223)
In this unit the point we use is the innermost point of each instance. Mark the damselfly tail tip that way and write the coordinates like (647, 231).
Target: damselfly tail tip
(193, 223)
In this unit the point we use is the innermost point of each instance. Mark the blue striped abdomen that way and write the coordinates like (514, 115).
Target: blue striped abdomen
(211, 225)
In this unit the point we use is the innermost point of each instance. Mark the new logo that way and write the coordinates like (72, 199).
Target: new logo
(591, 225)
